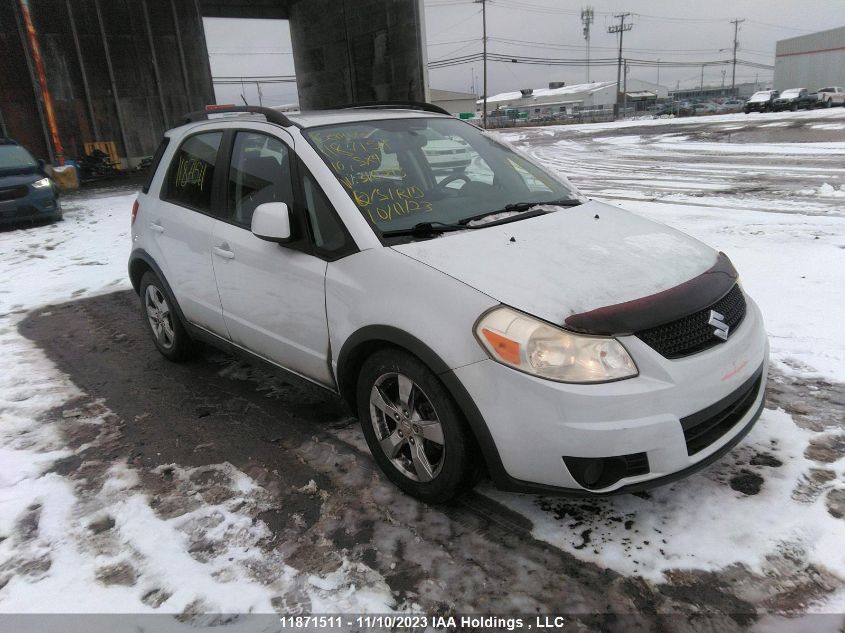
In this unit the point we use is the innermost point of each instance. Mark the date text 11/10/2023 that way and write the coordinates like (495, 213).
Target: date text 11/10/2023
(422, 622)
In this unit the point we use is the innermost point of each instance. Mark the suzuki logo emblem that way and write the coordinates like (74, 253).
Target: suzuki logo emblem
(718, 321)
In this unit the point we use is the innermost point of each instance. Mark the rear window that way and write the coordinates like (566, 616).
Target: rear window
(154, 165)
(191, 172)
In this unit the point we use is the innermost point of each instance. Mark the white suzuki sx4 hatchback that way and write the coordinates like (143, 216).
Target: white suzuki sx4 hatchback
(478, 314)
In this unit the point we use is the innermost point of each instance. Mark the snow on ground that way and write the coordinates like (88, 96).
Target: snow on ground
(57, 537)
(765, 508)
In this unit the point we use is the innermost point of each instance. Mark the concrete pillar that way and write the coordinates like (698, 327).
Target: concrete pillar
(353, 51)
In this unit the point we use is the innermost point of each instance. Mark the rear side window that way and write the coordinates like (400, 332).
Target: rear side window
(154, 165)
(191, 172)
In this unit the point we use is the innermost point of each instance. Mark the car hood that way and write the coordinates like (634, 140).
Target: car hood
(568, 262)
(12, 179)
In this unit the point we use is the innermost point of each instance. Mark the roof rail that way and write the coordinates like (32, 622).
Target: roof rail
(395, 105)
(272, 116)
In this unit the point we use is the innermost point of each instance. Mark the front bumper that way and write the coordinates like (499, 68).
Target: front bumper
(37, 205)
(535, 423)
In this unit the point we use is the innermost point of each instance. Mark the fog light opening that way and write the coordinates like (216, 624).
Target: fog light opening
(595, 473)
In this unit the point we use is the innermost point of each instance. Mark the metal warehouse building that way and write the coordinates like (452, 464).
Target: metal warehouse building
(811, 61)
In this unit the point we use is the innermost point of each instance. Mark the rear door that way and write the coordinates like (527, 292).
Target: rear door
(273, 296)
(181, 225)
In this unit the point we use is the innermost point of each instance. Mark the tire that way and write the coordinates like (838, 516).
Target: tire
(164, 324)
(828, 103)
(794, 107)
(435, 462)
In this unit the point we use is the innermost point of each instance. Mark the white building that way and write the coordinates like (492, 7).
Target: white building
(811, 61)
(451, 101)
(558, 99)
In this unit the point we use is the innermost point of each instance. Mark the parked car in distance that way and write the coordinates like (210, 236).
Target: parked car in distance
(732, 105)
(831, 96)
(761, 101)
(704, 108)
(26, 192)
(794, 99)
(493, 320)
(447, 154)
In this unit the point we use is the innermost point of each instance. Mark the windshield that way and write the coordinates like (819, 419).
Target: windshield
(15, 157)
(402, 172)
(790, 93)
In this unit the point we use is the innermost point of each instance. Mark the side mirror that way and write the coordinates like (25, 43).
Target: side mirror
(271, 222)
(42, 166)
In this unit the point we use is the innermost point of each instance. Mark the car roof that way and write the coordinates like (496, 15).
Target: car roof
(353, 115)
(316, 118)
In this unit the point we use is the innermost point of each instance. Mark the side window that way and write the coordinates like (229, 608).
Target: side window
(259, 173)
(191, 172)
(327, 230)
(153, 168)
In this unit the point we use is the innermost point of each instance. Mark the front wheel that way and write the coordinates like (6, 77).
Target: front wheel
(828, 103)
(169, 335)
(413, 428)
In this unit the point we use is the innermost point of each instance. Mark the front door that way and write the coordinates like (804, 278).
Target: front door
(273, 298)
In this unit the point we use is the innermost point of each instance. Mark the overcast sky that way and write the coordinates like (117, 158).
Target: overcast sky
(676, 30)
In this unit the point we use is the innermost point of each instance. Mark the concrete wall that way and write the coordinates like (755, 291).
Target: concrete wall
(135, 110)
(349, 51)
(811, 61)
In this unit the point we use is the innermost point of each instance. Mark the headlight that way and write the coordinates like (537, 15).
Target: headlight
(537, 348)
(41, 184)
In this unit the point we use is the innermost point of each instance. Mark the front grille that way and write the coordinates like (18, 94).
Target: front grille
(13, 193)
(705, 427)
(692, 333)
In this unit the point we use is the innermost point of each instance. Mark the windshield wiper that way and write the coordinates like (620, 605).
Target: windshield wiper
(520, 207)
(426, 228)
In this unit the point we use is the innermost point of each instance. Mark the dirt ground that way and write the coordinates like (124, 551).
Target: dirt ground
(480, 557)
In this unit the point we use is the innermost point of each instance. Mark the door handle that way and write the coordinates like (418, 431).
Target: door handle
(158, 228)
(222, 252)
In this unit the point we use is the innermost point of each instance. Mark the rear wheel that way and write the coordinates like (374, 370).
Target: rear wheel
(414, 429)
(169, 335)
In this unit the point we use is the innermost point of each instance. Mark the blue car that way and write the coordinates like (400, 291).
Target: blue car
(26, 193)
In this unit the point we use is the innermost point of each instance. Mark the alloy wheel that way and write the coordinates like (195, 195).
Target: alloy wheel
(159, 315)
(407, 427)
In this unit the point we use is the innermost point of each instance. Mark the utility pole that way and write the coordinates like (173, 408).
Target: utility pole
(625, 90)
(587, 20)
(619, 28)
(736, 24)
(658, 71)
(701, 85)
(484, 56)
